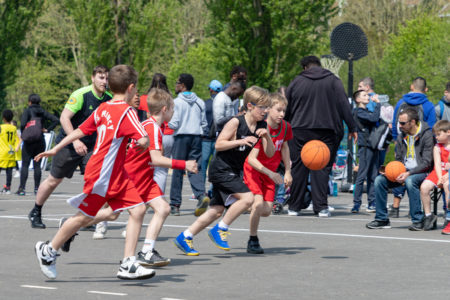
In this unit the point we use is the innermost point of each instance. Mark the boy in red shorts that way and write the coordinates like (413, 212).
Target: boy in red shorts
(438, 177)
(260, 171)
(105, 179)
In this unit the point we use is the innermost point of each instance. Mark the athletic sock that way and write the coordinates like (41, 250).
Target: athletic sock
(427, 215)
(223, 226)
(188, 234)
(50, 250)
(149, 245)
(38, 207)
(254, 238)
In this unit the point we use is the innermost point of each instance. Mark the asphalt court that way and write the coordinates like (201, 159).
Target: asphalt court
(305, 257)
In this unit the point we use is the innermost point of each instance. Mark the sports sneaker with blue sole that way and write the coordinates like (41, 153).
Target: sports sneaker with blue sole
(185, 245)
(219, 237)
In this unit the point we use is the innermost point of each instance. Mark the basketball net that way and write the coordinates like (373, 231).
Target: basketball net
(332, 63)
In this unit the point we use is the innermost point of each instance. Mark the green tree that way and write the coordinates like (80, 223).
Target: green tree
(419, 49)
(17, 16)
(268, 37)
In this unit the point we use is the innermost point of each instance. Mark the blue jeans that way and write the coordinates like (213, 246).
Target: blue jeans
(186, 147)
(208, 151)
(412, 183)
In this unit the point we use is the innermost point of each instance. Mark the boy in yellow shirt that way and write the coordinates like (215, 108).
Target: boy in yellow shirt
(8, 142)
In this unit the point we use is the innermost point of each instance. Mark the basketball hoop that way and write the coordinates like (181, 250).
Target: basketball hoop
(332, 63)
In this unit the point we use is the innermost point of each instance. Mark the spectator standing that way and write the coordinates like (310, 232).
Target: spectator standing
(317, 107)
(30, 149)
(223, 107)
(189, 123)
(443, 107)
(237, 73)
(78, 108)
(414, 148)
(209, 137)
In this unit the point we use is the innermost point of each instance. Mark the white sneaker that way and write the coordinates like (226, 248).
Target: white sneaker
(310, 207)
(47, 262)
(293, 213)
(100, 230)
(330, 208)
(131, 269)
(124, 234)
(324, 213)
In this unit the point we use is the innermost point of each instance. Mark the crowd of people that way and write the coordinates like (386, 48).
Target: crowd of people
(248, 149)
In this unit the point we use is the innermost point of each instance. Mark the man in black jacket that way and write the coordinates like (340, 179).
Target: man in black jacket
(317, 107)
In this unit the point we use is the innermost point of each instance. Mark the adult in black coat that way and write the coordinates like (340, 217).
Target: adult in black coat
(317, 108)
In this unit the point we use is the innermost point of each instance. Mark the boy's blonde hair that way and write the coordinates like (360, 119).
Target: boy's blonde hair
(441, 125)
(277, 98)
(157, 99)
(256, 96)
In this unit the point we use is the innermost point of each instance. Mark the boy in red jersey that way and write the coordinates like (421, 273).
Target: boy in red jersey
(260, 171)
(105, 179)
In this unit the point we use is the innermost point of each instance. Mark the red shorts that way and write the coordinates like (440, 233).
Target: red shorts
(260, 184)
(90, 204)
(433, 176)
(152, 191)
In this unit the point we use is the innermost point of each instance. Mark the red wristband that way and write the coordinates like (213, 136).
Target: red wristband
(178, 164)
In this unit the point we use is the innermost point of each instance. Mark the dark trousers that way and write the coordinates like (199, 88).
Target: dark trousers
(8, 176)
(186, 147)
(367, 171)
(300, 173)
(29, 151)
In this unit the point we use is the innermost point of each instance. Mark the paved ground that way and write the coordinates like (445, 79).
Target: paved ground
(305, 258)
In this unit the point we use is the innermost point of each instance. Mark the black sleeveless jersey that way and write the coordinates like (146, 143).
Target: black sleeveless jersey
(232, 160)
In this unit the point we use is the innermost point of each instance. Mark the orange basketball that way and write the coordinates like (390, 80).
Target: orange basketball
(315, 155)
(393, 169)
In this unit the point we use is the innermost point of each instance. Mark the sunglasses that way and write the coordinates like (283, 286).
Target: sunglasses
(261, 107)
(403, 123)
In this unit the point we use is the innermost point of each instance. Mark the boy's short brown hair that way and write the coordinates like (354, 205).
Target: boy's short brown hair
(120, 77)
(157, 99)
(256, 96)
(441, 125)
(277, 98)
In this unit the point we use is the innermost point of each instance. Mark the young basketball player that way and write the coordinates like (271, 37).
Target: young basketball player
(233, 145)
(105, 179)
(260, 171)
(8, 142)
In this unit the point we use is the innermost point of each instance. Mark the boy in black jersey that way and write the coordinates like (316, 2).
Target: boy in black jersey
(233, 145)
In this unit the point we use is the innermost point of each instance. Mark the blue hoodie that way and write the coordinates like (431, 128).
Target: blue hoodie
(429, 114)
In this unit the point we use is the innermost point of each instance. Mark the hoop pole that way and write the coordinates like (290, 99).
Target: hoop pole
(350, 142)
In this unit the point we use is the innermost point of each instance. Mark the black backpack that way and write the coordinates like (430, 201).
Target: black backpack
(33, 129)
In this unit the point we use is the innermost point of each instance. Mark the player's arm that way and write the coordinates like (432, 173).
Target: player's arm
(437, 163)
(286, 157)
(226, 139)
(266, 141)
(66, 124)
(74, 135)
(258, 166)
(160, 160)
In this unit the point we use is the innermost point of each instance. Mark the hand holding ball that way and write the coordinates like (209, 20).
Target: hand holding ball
(393, 170)
(315, 155)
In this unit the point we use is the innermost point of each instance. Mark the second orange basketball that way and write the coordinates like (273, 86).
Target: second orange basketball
(315, 155)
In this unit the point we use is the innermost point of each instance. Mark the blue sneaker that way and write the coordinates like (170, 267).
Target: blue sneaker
(185, 245)
(219, 237)
(355, 208)
(371, 208)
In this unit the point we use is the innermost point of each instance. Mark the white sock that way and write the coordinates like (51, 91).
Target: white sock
(222, 225)
(50, 250)
(149, 245)
(131, 258)
(427, 215)
(188, 234)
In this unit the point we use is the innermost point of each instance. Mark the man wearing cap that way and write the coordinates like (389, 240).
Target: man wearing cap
(209, 137)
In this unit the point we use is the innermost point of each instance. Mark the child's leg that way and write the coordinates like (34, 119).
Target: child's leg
(213, 213)
(260, 208)
(425, 189)
(9, 172)
(244, 201)
(133, 229)
(162, 210)
(69, 228)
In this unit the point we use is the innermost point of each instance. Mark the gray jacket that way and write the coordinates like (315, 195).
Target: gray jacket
(189, 115)
(424, 145)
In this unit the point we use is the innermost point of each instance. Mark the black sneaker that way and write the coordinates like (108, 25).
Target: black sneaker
(202, 205)
(253, 247)
(152, 259)
(377, 224)
(174, 210)
(277, 208)
(35, 218)
(429, 223)
(394, 212)
(66, 246)
(416, 226)
(21, 192)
